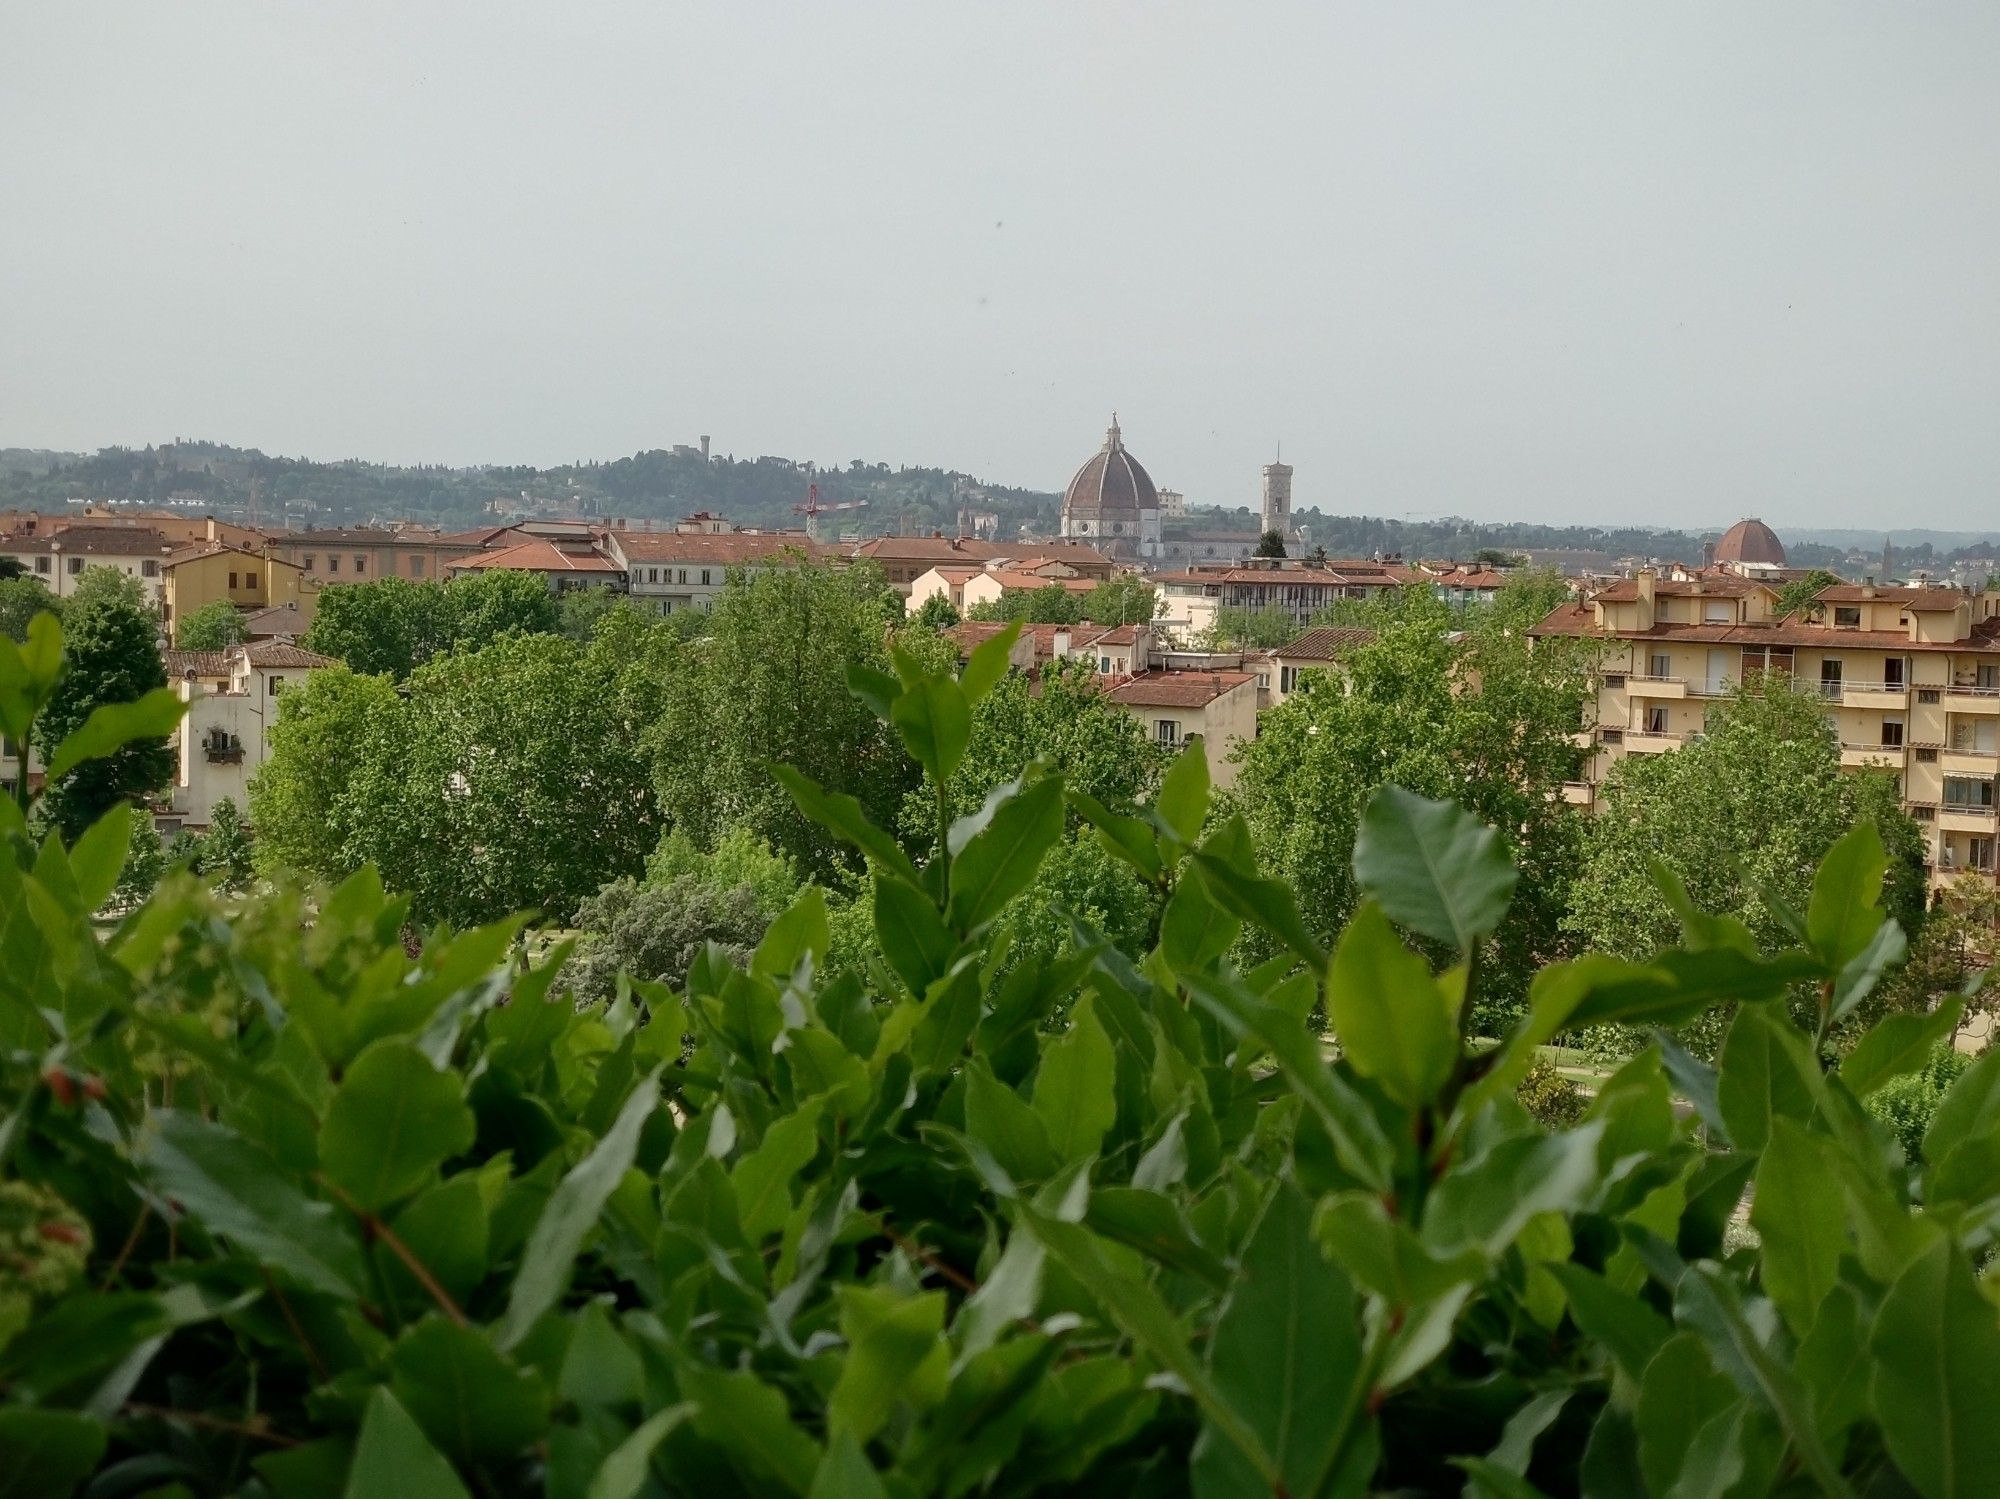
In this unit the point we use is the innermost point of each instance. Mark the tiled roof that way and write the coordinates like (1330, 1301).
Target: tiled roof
(281, 619)
(1280, 577)
(1712, 585)
(966, 548)
(1577, 620)
(538, 557)
(1326, 642)
(212, 548)
(282, 653)
(1176, 689)
(92, 541)
(181, 664)
(1909, 598)
(1028, 582)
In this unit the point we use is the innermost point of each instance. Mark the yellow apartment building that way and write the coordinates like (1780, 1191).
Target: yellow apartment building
(1911, 678)
(250, 580)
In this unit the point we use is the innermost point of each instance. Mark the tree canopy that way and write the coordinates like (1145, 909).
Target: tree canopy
(112, 656)
(394, 625)
(212, 627)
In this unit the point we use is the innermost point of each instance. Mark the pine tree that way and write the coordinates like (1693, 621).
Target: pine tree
(225, 857)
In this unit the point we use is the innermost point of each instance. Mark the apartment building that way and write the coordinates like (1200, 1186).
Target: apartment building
(361, 554)
(904, 559)
(56, 558)
(216, 572)
(560, 565)
(232, 699)
(1193, 596)
(1217, 707)
(1315, 650)
(669, 571)
(1910, 676)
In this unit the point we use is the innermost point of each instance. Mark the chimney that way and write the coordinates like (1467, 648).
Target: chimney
(1868, 586)
(1646, 580)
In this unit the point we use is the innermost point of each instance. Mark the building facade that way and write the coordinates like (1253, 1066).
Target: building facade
(1910, 677)
(1112, 503)
(232, 699)
(217, 572)
(669, 571)
(57, 558)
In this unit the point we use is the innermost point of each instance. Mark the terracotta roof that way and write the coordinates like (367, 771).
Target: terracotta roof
(1294, 576)
(373, 536)
(710, 547)
(538, 557)
(1176, 689)
(1111, 480)
(1711, 585)
(1750, 541)
(1577, 620)
(282, 619)
(214, 548)
(274, 653)
(1909, 598)
(971, 549)
(1327, 642)
(92, 541)
(1029, 582)
(181, 664)
(1470, 577)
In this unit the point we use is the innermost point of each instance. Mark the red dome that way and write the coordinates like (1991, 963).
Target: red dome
(1750, 541)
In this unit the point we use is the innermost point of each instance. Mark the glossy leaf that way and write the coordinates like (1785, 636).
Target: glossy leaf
(112, 726)
(1000, 862)
(392, 1456)
(1073, 1088)
(1937, 1346)
(1435, 868)
(394, 1120)
(1392, 1022)
(1800, 1212)
(472, 1403)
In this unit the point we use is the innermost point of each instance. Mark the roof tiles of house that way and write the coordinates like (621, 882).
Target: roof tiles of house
(269, 654)
(538, 557)
(1471, 577)
(1710, 585)
(281, 619)
(1028, 582)
(92, 541)
(1326, 643)
(376, 536)
(1333, 575)
(1176, 689)
(1925, 599)
(703, 546)
(1577, 620)
(963, 548)
(182, 664)
(202, 549)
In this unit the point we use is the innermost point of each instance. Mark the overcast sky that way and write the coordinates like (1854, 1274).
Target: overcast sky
(1564, 262)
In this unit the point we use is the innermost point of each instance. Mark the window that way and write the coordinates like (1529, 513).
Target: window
(1987, 678)
(1978, 736)
(704, 577)
(75, 565)
(684, 576)
(1659, 664)
(1829, 679)
(1656, 720)
(1846, 617)
(1614, 679)
(652, 575)
(250, 578)
(1892, 733)
(1979, 854)
(1968, 793)
(1611, 736)
(1718, 612)
(1927, 695)
(332, 564)
(1167, 730)
(1923, 811)
(41, 564)
(149, 568)
(308, 561)
(360, 564)
(277, 685)
(1926, 755)
(1104, 664)
(416, 567)
(1895, 673)
(232, 582)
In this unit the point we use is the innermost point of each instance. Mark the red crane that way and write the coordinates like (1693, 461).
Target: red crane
(813, 509)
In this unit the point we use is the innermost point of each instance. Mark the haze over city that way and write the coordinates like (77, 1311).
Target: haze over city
(1558, 262)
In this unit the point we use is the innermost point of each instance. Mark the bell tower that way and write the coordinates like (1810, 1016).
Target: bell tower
(1278, 499)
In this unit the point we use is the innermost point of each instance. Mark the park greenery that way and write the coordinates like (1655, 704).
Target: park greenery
(212, 627)
(1125, 600)
(299, 1196)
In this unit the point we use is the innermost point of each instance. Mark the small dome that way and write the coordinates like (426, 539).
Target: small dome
(1112, 483)
(1750, 541)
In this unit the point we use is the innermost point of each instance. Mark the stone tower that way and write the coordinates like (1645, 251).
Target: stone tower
(1278, 499)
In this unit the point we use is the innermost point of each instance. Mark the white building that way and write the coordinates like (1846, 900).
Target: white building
(232, 699)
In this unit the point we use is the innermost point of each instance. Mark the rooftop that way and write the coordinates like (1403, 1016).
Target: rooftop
(1176, 689)
(538, 557)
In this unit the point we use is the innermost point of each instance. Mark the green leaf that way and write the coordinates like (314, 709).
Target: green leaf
(1898, 1045)
(895, 1353)
(1858, 977)
(998, 1118)
(988, 662)
(471, 1403)
(233, 1189)
(1801, 1215)
(1970, 1109)
(446, 1229)
(841, 815)
(1251, 897)
(1153, 1223)
(1074, 1087)
(1487, 1480)
(99, 855)
(750, 1422)
(1391, 1019)
(1845, 910)
(393, 1122)
(762, 1180)
(1128, 838)
(846, 1473)
(935, 724)
(1436, 868)
(47, 1452)
(1767, 1073)
(1486, 1202)
(570, 1215)
(623, 1473)
(1384, 1256)
(1194, 930)
(877, 688)
(392, 1457)
(912, 934)
(1136, 1308)
(1936, 1344)
(800, 932)
(1182, 803)
(1286, 1355)
(1679, 1393)
(1000, 862)
(112, 726)
(1623, 1325)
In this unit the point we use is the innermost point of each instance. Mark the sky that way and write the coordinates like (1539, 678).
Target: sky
(1575, 263)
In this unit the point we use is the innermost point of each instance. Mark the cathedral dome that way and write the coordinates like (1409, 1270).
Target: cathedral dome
(1110, 490)
(1750, 541)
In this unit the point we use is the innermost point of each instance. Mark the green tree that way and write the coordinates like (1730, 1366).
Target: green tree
(768, 684)
(935, 613)
(145, 862)
(225, 855)
(394, 625)
(21, 599)
(1797, 594)
(1475, 715)
(1127, 599)
(1270, 544)
(111, 647)
(328, 726)
(1050, 604)
(579, 611)
(99, 584)
(212, 627)
(1242, 629)
(655, 932)
(740, 860)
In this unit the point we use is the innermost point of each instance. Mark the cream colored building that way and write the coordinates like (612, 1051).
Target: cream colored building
(232, 699)
(686, 568)
(57, 558)
(1217, 707)
(1910, 676)
(216, 572)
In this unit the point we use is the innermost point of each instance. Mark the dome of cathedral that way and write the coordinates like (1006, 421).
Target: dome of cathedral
(1111, 489)
(1750, 541)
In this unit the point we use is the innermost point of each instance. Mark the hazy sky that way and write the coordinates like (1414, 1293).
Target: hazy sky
(1564, 262)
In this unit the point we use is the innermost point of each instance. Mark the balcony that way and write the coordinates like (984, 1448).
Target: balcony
(1874, 695)
(1639, 742)
(1969, 762)
(1644, 686)
(1963, 697)
(1965, 819)
(1579, 793)
(1871, 754)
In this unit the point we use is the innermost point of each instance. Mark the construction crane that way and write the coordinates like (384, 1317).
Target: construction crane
(813, 509)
